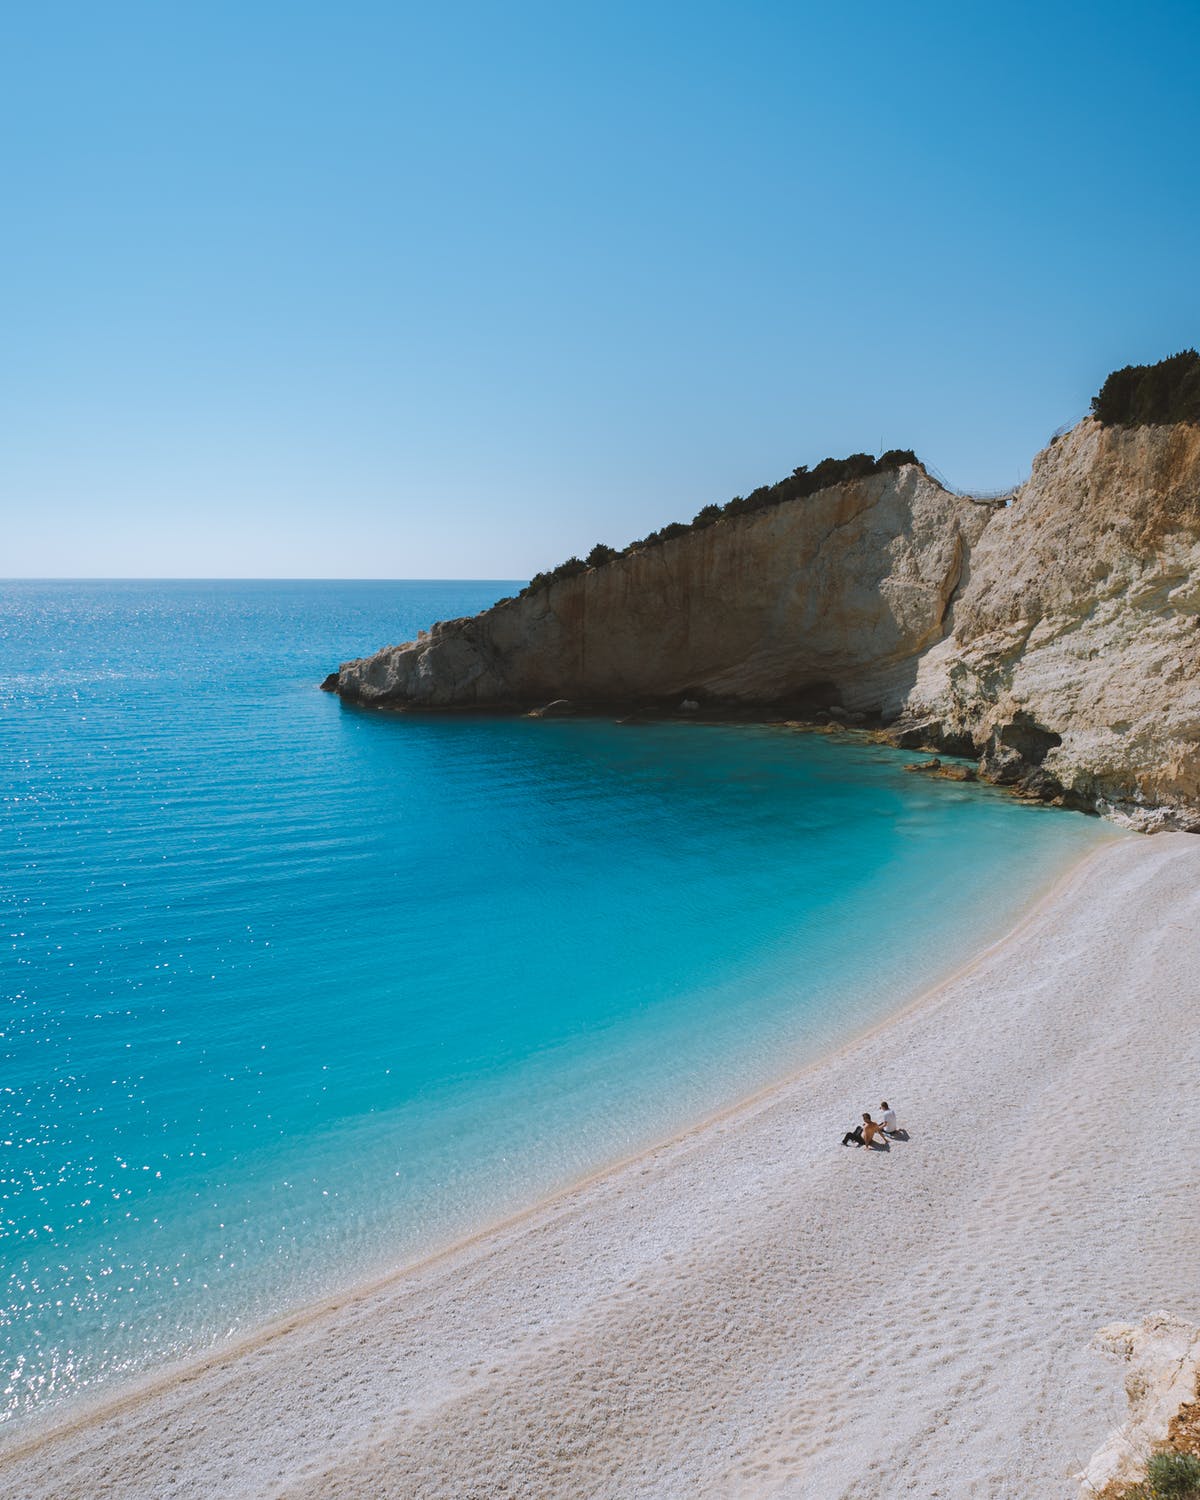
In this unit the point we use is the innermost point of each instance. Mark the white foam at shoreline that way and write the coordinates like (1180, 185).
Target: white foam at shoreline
(752, 1310)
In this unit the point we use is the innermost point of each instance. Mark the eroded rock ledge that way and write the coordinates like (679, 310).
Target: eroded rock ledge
(1161, 1356)
(1056, 639)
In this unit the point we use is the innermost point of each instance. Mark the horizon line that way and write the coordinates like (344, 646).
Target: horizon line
(232, 578)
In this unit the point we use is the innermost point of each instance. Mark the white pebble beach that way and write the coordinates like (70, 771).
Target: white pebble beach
(753, 1309)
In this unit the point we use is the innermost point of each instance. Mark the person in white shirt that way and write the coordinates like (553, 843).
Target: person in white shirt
(888, 1118)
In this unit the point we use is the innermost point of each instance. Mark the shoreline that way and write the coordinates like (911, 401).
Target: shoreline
(426, 1292)
(84, 1411)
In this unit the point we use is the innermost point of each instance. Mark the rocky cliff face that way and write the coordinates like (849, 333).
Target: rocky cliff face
(1057, 638)
(1072, 664)
(1162, 1369)
(793, 603)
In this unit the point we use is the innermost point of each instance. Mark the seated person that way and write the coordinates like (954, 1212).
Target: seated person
(887, 1120)
(864, 1134)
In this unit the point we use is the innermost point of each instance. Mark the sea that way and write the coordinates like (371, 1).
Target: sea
(297, 993)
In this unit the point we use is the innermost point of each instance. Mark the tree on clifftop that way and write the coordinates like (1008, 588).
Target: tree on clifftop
(1151, 395)
(799, 483)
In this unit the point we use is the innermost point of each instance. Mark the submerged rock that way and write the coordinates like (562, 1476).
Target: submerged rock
(936, 767)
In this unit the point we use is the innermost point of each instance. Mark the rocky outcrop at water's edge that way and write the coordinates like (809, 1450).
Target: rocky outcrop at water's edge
(1055, 638)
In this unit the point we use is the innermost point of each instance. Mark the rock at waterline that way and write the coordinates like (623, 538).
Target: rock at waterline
(947, 773)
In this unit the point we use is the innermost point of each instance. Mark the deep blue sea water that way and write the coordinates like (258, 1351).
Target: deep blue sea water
(295, 992)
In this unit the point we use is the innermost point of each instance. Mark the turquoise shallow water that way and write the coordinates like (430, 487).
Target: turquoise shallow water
(294, 992)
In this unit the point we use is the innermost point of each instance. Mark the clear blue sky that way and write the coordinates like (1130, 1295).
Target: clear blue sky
(384, 290)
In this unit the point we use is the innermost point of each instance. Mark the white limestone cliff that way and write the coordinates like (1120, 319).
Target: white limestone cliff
(1057, 638)
(1073, 659)
(1162, 1359)
(754, 609)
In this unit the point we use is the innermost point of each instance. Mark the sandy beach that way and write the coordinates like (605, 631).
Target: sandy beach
(752, 1309)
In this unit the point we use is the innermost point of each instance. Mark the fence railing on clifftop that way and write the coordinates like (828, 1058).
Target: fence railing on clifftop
(997, 498)
(1001, 497)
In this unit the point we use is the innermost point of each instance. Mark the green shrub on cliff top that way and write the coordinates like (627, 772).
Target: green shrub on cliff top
(568, 569)
(1173, 1476)
(799, 483)
(1151, 395)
